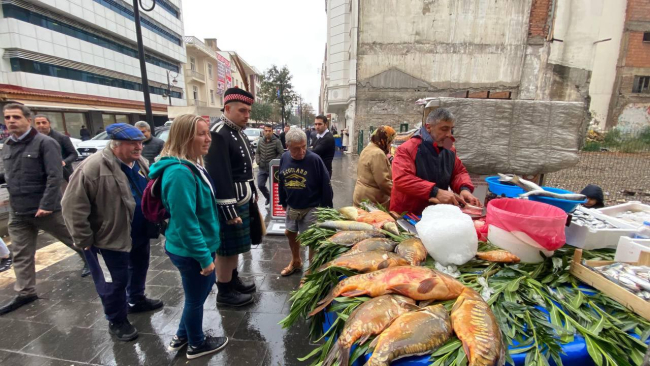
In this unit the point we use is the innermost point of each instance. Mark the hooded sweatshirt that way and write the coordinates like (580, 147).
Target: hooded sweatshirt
(188, 197)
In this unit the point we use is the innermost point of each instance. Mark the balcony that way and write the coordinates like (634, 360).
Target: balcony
(197, 103)
(200, 46)
(193, 74)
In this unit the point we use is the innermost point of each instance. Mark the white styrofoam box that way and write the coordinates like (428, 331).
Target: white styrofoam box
(629, 249)
(610, 213)
(581, 236)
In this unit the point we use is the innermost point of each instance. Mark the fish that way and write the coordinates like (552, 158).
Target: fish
(365, 262)
(351, 212)
(349, 238)
(645, 285)
(413, 250)
(391, 227)
(368, 245)
(346, 226)
(526, 185)
(370, 318)
(415, 333)
(498, 256)
(562, 196)
(477, 328)
(418, 283)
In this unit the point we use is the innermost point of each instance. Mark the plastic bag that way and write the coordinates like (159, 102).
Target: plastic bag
(535, 223)
(448, 234)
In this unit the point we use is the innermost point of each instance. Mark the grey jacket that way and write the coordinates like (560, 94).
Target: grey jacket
(33, 173)
(152, 148)
(98, 204)
(68, 152)
(267, 151)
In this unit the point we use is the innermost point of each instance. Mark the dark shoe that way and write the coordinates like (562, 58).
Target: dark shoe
(239, 285)
(210, 345)
(145, 305)
(5, 263)
(176, 344)
(16, 303)
(230, 297)
(85, 272)
(123, 330)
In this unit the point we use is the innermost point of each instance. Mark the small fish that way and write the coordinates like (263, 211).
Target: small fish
(645, 285)
(370, 318)
(629, 284)
(368, 245)
(416, 333)
(391, 227)
(526, 185)
(349, 238)
(478, 330)
(645, 295)
(563, 196)
(418, 283)
(498, 256)
(365, 262)
(346, 226)
(413, 250)
(350, 212)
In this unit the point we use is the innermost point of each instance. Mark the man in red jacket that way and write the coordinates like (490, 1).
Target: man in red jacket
(426, 166)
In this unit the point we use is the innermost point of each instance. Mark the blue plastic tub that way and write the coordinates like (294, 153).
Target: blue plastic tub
(566, 205)
(503, 189)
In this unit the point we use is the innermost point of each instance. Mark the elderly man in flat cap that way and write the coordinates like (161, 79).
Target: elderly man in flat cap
(230, 164)
(103, 213)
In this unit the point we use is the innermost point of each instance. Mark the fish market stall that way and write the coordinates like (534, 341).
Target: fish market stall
(376, 295)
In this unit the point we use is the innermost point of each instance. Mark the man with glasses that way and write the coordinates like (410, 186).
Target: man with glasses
(33, 173)
(323, 145)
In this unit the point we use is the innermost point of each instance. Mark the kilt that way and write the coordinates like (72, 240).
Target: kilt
(235, 239)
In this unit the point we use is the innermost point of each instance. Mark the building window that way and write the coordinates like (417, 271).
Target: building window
(192, 64)
(211, 96)
(168, 7)
(195, 92)
(646, 36)
(210, 71)
(641, 84)
(108, 119)
(34, 67)
(25, 15)
(73, 123)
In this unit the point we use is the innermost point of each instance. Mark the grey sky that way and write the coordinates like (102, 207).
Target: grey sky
(267, 32)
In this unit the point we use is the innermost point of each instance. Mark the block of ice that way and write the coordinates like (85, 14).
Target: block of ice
(448, 234)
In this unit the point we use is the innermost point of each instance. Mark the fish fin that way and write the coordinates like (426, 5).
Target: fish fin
(427, 285)
(344, 356)
(425, 303)
(402, 289)
(383, 264)
(374, 342)
(323, 303)
(354, 293)
(333, 354)
(364, 339)
(413, 307)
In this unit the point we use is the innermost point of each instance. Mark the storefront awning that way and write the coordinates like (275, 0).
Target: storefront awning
(83, 107)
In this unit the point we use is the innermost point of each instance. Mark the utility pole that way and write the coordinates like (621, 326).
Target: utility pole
(143, 65)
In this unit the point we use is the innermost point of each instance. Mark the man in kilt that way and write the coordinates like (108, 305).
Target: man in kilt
(230, 165)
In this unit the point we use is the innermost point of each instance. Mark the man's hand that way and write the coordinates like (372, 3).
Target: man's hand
(63, 163)
(235, 221)
(208, 270)
(446, 197)
(42, 213)
(469, 198)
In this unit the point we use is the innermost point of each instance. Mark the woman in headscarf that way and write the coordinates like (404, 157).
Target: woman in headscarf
(374, 177)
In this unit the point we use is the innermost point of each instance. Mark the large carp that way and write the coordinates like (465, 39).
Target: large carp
(368, 245)
(418, 283)
(413, 250)
(476, 326)
(416, 333)
(349, 238)
(365, 262)
(344, 225)
(370, 318)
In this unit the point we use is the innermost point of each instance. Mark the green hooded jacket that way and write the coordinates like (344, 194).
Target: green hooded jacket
(193, 229)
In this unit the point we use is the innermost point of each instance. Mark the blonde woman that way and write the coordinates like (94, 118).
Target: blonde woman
(193, 232)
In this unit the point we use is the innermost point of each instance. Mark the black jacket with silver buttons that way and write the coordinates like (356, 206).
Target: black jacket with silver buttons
(230, 165)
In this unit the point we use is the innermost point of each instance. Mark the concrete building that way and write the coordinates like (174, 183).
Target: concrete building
(76, 60)
(567, 50)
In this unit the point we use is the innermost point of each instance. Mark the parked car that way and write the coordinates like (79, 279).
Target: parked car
(89, 147)
(162, 132)
(254, 135)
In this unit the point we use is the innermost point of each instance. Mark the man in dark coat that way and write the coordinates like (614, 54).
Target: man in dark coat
(152, 146)
(269, 147)
(68, 152)
(84, 133)
(323, 144)
(283, 137)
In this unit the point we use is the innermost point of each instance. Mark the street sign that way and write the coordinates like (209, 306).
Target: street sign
(276, 225)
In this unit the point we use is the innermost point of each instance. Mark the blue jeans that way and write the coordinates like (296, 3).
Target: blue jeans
(197, 288)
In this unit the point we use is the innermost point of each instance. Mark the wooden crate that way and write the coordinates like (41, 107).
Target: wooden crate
(609, 288)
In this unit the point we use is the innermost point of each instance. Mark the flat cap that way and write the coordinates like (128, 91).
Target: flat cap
(124, 132)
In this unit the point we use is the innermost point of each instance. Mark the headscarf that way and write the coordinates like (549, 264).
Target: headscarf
(383, 137)
(595, 192)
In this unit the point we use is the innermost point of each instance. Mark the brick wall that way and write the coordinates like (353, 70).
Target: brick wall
(538, 26)
(638, 10)
(638, 52)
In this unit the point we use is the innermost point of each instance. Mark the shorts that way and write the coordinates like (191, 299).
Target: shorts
(297, 221)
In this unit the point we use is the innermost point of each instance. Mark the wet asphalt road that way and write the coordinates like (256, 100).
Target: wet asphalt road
(66, 326)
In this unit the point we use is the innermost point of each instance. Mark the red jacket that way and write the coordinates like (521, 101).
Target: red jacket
(411, 193)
